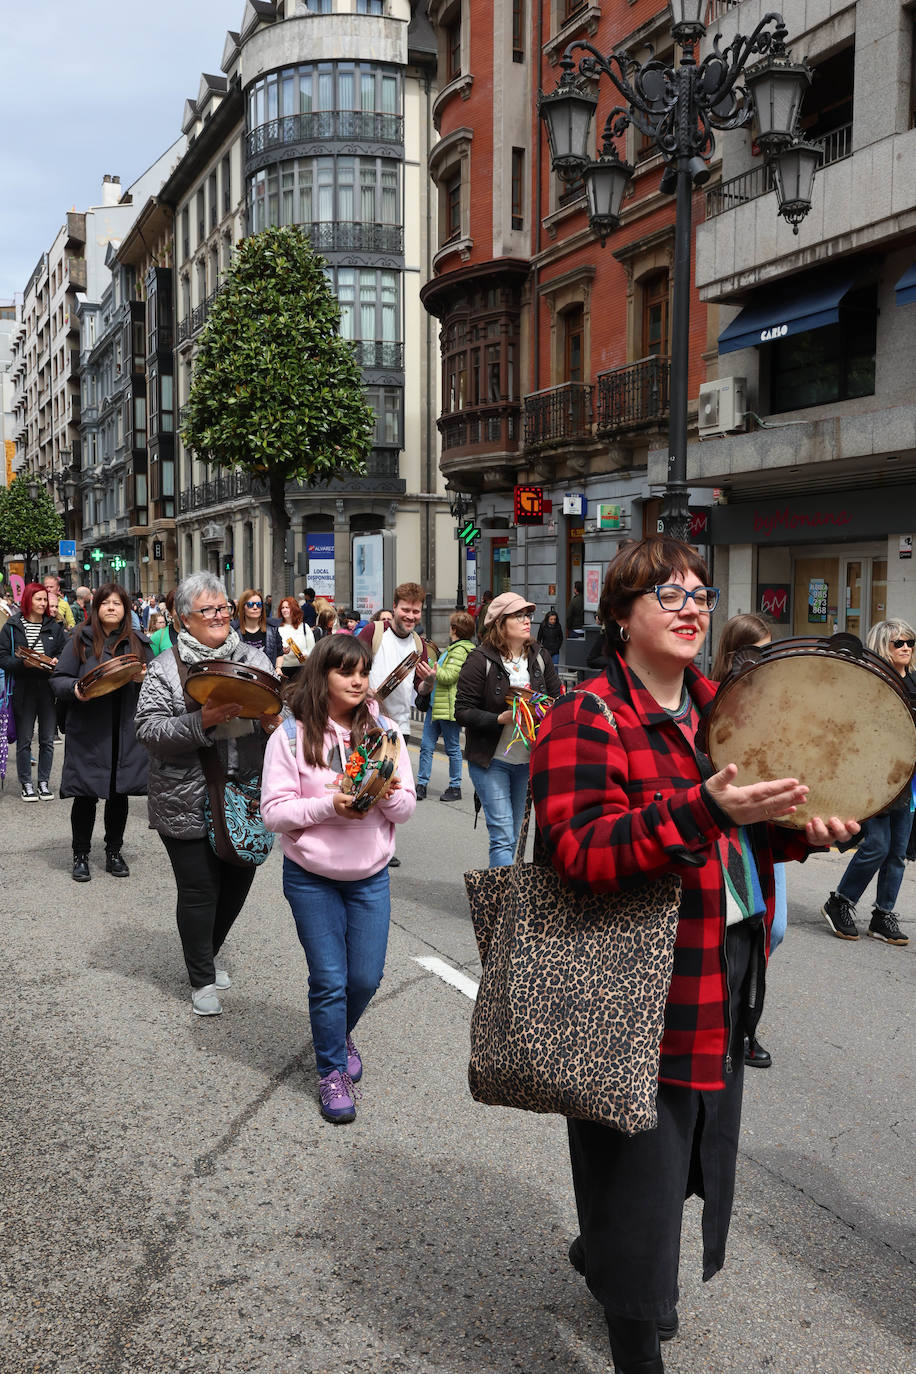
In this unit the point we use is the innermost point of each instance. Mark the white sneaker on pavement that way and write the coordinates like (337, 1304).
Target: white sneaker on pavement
(222, 980)
(204, 1001)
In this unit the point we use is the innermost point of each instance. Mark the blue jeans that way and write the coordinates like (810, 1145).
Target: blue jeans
(343, 928)
(780, 911)
(451, 737)
(502, 789)
(882, 850)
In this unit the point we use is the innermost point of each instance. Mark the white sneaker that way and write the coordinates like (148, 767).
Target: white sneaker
(204, 1001)
(222, 980)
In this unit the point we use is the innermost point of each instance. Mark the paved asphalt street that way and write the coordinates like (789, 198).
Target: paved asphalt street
(170, 1199)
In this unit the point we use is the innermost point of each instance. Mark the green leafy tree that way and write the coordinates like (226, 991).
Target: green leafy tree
(28, 526)
(276, 391)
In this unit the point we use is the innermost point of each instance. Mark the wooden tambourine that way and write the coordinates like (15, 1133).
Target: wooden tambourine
(384, 747)
(222, 681)
(33, 658)
(110, 676)
(404, 668)
(826, 711)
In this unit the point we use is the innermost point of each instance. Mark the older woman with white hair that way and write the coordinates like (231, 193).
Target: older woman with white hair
(211, 893)
(884, 838)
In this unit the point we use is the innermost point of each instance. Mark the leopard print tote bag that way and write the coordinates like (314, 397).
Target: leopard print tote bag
(570, 1009)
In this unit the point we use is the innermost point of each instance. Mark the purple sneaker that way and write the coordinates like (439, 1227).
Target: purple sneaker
(354, 1063)
(334, 1095)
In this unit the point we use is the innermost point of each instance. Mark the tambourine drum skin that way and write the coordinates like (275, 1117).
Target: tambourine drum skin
(222, 681)
(834, 718)
(401, 671)
(110, 676)
(385, 751)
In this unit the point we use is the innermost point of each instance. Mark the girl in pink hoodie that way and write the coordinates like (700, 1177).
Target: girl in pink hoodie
(335, 866)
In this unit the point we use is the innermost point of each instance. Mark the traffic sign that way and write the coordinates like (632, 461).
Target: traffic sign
(468, 533)
(66, 548)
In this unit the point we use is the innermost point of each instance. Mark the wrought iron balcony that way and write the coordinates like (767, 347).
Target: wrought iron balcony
(379, 353)
(184, 329)
(558, 413)
(315, 125)
(331, 236)
(381, 463)
(493, 427)
(738, 190)
(633, 396)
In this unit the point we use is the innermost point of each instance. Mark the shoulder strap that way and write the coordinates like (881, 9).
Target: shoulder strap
(602, 707)
(378, 635)
(288, 725)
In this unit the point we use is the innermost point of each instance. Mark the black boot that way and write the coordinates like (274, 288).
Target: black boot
(115, 865)
(81, 872)
(634, 1345)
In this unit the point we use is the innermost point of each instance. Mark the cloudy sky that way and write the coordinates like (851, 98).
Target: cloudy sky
(88, 88)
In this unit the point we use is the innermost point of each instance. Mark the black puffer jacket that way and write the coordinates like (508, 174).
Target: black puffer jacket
(90, 733)
(482, 687)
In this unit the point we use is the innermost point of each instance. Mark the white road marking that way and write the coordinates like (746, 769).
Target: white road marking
(448, 974)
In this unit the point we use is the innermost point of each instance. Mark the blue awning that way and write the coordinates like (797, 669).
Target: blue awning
(905, 288)
(776, 312)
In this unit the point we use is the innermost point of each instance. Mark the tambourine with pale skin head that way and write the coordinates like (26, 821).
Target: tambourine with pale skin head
(828, 712)
(221, 682)
(109, 677)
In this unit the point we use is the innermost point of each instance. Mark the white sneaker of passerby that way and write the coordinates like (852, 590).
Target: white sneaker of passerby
(222, 980)
(204, 1001)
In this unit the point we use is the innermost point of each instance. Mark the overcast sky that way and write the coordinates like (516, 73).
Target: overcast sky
(88, 88)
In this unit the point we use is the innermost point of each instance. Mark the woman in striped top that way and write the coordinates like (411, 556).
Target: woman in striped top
(32, 628)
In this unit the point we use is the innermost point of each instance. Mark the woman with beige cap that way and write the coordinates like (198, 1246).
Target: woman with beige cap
(497, 758)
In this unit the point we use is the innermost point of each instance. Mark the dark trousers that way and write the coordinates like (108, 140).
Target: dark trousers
(33, 700)
(630, 1190)
(210, 896)
(82, 822)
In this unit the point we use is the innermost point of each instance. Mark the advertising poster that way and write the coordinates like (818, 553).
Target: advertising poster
(591, 587)
(817, 601)
(321, 564)
(774, 601)
(368, 586)
(470, 578)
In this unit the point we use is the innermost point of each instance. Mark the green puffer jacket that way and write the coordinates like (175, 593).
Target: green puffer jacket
(446, 688)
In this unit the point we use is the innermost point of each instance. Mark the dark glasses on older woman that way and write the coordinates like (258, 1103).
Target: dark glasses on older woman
(899, 643)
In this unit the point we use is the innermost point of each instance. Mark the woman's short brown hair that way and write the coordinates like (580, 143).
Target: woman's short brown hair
(637, 568)
(462, 624)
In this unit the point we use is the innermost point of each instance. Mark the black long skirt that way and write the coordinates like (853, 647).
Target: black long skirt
(630, 1190)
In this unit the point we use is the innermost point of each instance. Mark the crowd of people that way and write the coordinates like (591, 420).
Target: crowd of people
(621, 791)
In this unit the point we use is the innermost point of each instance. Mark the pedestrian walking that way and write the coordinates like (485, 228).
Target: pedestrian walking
(335, 865)
(253, 628)
(882, 847)
(211, 892)
(497, 756)
(550, 634)
(622, 802)
(740, 632)
(296, 638)
(440, 715)
(575, 613)
(33, 629)
(102, 757)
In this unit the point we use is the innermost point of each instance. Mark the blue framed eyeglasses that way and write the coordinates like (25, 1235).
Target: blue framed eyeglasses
(673, 597)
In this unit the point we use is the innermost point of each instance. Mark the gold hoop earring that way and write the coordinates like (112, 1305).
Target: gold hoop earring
(624, 634)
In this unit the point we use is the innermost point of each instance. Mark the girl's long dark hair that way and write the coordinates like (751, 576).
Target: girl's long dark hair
(127, 635)
(308, 696)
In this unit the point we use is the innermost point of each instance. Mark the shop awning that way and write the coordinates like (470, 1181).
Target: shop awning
(777, 312)
(905, 288)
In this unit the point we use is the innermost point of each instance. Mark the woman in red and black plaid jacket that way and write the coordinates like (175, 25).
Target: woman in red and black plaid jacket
(614, 809)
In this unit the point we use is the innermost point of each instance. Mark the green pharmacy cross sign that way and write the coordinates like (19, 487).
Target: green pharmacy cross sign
(97, 555)
(468, 533)
(118, 563)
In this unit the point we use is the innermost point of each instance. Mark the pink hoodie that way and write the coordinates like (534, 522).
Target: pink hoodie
(297, 803)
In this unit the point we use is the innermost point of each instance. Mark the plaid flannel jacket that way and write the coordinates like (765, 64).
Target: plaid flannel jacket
(616, 809)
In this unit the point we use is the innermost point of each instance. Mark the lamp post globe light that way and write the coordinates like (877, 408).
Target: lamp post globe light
(679, 107)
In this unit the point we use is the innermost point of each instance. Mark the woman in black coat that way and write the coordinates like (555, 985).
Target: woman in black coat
(102, 757)
(551, 634)
(32, 628)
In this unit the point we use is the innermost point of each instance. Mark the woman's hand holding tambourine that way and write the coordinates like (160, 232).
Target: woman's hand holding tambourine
(765, 801)
(343, 805)
(213, 714)
(77, 692)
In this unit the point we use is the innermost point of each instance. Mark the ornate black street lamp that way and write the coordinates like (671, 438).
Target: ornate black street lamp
(679, 107)
(459, 506)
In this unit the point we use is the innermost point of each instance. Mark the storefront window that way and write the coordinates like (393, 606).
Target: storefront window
(835, 363)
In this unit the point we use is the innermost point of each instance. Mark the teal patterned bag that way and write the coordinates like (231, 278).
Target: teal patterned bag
(236, 831)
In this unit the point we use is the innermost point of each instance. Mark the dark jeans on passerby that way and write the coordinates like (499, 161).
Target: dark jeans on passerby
(210, 896)
(33, 700)
(881, 850)
(82, 822)
(343, 927)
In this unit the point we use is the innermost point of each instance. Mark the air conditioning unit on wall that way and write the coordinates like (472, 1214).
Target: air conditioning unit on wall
(722, 406)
